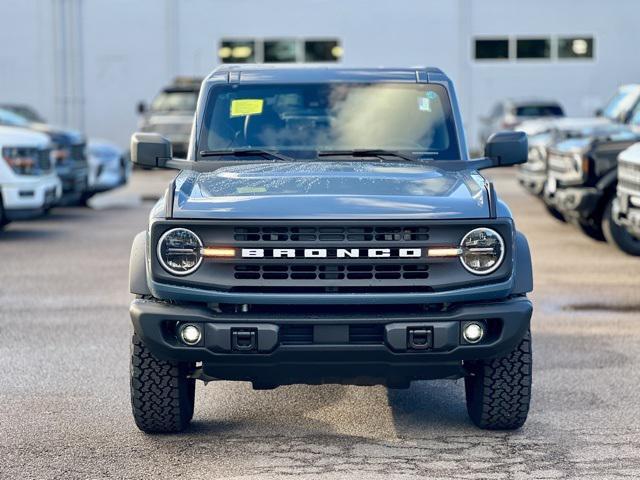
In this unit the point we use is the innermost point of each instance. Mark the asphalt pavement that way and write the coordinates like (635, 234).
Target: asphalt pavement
(64, 393)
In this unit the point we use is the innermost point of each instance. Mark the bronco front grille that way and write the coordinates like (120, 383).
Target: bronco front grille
(360, 272)
(331, 272)
(331, 234)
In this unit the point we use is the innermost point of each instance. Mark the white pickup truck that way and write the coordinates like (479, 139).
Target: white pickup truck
(29, 185)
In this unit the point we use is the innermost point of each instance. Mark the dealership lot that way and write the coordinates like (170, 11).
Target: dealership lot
(64, 340)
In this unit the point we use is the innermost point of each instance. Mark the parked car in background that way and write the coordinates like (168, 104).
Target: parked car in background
(171, 113)
(69, 155)
(543, 133)
(626, 208)
(28, 183)
(508, 114)
(109, 167)
(582, 180)
(25, 111)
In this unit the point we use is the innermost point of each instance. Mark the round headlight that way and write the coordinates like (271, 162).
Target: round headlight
(180, 251)
(482, 251)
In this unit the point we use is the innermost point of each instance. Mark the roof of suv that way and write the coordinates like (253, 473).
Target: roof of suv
(323, 73)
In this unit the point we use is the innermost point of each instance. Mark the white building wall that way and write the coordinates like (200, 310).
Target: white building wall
(130, 49)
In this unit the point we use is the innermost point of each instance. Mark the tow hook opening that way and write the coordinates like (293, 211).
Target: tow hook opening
(244, 339)
(419, 338)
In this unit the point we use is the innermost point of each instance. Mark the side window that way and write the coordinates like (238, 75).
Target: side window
(276, 51)
(279, 50)
(237, 51)
(533, 48)
(575, 47)
(492, 49)
(322, 51)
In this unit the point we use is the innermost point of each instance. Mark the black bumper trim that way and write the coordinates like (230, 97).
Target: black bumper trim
(275, 362)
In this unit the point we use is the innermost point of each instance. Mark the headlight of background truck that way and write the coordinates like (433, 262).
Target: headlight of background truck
(23, 160)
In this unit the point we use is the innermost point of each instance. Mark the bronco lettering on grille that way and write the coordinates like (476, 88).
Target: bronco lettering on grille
(332, 253)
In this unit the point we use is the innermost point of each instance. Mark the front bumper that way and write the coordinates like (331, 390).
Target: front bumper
(331, 352)
(533, 181)
(575, 203)
(74, 181)
(29, 198)
(627, 215)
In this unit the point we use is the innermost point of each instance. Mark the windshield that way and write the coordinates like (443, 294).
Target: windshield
(11, 119)
(622, 101)
(175, 101)
(414, 118)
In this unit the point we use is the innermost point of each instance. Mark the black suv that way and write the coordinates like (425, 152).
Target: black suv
(582, 181)
(626, 208)
(329, 227)
(543, 133)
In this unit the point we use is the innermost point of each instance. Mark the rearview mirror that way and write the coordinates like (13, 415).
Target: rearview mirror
(507, 148)
(150, 150)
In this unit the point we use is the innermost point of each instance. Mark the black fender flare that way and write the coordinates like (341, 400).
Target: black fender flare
(523, 268)
(138, 266)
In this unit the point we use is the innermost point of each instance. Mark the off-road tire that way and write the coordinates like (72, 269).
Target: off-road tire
(555, 213)
(594, 232)
(3, 218)
(618, 235)
(498, 391)
(162, 396)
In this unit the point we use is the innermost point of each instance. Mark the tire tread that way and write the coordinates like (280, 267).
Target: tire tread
(499, 394)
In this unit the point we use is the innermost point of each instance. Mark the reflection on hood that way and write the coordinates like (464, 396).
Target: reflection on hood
(330, 190)
(321, 178)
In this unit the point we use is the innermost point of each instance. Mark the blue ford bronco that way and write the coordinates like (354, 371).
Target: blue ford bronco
(328, 226)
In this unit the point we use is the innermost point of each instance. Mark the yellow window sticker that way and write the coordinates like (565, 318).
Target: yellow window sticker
(246, 106)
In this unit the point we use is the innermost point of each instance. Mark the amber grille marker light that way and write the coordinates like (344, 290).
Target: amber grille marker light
(218, 252)
(444, 252)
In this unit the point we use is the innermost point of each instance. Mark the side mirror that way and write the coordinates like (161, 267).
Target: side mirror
(150, 150)
(507, 148)
(141, 108)
(598, 112)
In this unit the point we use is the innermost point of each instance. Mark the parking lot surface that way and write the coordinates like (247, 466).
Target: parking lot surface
(64, 394)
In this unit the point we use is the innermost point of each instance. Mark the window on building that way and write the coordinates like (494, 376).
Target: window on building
(575, 47)
(494, 49)
(276, 51)
(533, 48)
(237, 51)
(322, 51)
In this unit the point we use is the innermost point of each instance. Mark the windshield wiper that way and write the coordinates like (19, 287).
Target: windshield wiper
(246, 152)
(373, 152)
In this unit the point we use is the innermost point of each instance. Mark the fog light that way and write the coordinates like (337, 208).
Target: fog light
(190, 334)
(473, 332)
